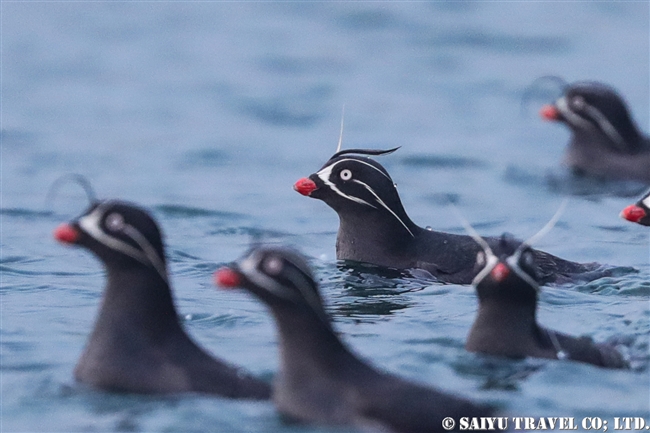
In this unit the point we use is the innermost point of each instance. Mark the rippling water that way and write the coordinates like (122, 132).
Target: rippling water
(207, 113)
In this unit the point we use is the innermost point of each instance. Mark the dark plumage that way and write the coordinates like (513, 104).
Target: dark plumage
(506, 324)
(320, 379)
(138, 344)
(374, 227)
(639, 212)
(605, 141)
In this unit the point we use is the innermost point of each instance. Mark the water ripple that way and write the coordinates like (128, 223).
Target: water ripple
(26, 214)
(180, 211)
(254, 232)
(499, 373)
(499, 42)
(292, 108)
(442, 161)
(204, 158)
(630, 285)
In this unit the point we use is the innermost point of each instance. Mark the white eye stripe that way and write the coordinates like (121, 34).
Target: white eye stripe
(646, 202)
(606, 126)
(513, 263)
(249, 267)
(148, 256)
(91, 224)
(602, 121)
(573, 118)
(329, 168)
(490, 262)
(381, 202)
(301, 282)
(324, 175)
(149, 250)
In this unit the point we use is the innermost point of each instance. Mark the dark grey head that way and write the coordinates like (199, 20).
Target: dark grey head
(510, 277)
(595, 108)
(278, 276)
(119, 233)
(352, 183)
(513, 275)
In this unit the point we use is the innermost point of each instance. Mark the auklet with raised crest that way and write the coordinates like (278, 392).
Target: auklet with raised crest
(138, 344)
(605, 141)
(320, 380)
(506, 323)
(374, 227)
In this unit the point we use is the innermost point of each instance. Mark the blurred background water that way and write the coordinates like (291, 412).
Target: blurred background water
(207, 112)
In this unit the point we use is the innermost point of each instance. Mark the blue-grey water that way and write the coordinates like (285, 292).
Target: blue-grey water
(207, 113)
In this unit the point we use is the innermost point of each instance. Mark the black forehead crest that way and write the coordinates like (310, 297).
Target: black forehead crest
(369, 152)
(508, 244)
(358, 156)
(359, 159)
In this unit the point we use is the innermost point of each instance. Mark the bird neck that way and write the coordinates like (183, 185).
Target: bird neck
(503, 328)
(309, 348)
(138, 297)
(375, 236)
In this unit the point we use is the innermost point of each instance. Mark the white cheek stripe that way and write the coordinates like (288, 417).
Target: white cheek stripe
(490, 262)
(602, 121)
(149, 250)
(513, 262)
(329, 168)
(91, 224)
(381, 202)
(248, 267)
(324, 175)
(303, 284)
(573, 118)
(606, 126)
(646, 202)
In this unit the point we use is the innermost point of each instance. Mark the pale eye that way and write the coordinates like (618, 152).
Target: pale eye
(273, 266)
(115, 222)
(346, 174)
(480, 258)
(528, 259)
(578, 102)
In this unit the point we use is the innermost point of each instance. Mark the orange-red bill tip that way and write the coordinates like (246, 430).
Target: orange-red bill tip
(227, 278)
(66, 233)
(500, 272)
(305, 186)
(549, 112)
(633, 213)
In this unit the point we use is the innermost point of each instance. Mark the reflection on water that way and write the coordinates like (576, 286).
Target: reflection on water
(498, 373)
(564, 182)
(364, 290)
